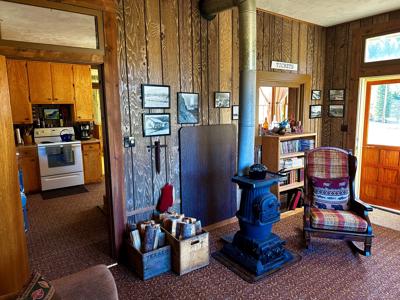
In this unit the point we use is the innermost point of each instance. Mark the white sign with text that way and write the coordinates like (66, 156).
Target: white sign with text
(280, 65)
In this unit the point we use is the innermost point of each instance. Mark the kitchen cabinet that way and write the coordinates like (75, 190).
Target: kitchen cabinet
(83, 93)
(40, 86)
(62, 83)
(92, 162)
(19, 91)
(28, 161)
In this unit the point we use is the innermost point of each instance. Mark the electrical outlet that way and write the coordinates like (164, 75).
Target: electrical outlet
(129, 142)
(344, 128)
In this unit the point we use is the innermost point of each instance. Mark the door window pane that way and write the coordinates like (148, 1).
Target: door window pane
(384, 115)
(384, 47)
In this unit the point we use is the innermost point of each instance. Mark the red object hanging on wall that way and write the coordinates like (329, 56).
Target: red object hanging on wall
(167, 198)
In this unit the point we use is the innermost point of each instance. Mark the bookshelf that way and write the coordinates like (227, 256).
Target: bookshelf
(286, 151)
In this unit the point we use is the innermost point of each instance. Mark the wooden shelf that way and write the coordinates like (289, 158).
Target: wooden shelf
(287, 187)
(293, 154)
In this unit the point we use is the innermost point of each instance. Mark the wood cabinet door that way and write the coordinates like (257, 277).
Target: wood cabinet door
(92, 162)
(19, 91)
(83, 93)
(31, 173)
(63, 85)
(40, 87)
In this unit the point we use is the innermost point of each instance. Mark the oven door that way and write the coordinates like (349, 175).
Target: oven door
(60, 159)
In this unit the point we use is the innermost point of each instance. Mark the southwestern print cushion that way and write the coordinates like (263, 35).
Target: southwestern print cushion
(332, 193)
(38, 289)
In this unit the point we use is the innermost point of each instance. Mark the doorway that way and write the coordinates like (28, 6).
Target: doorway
(380, 146)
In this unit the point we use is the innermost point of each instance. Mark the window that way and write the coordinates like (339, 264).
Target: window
(384, 114)
(273, 102)
(47, 26)
(381, 48)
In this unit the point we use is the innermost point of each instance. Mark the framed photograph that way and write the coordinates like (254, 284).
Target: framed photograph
(315, 111)
(188, 108)
(222, 99)
(235, 112)
(315, 95)
(51, 113)
(336, 110)
(155, 96)
(156, 124)
(336, 95)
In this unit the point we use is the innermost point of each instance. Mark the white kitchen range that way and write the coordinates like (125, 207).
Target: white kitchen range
(60, 157)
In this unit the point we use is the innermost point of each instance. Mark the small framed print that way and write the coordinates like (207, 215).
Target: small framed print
(235, 112)
(336, 95)
(155, 96)
(222, 99)
(315, 111)
(336, 110)
(188, 108)
(315, 95)
(156, 124)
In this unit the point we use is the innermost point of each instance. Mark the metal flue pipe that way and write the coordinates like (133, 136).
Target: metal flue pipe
(247, 67)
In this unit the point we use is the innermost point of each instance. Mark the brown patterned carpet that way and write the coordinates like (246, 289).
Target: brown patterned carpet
(67, 234)
(328, 271)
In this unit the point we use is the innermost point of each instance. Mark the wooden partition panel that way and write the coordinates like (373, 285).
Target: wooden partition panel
(14, 268)
(208, 163)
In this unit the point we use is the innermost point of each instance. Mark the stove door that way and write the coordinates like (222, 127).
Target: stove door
(60, 159)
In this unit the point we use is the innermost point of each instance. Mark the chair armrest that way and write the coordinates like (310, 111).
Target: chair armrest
(360, 207)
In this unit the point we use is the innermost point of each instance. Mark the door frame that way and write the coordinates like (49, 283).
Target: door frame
(360, 123)
(112, 134)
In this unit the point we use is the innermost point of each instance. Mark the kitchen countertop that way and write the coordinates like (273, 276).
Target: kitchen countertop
(26, 146)
(91, 141)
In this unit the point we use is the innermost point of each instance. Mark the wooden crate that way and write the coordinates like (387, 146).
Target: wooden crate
(150, 264)
(189, 254)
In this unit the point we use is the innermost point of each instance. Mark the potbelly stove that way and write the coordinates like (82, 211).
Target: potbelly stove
(254, 247)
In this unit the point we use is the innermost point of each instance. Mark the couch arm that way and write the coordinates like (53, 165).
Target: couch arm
(93, 283)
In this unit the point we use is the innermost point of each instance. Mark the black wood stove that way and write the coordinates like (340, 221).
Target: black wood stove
(254, 249)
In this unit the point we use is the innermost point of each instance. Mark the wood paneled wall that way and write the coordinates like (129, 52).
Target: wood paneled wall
(167, 42)
(288, 40)
(342, 59)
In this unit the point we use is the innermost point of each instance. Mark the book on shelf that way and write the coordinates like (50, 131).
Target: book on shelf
(298, 145)
(293, 176)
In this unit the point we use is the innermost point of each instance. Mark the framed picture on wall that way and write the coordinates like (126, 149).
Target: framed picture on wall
(222, 99)
(188, 108)
(156, 124)
(155, 96)
(336, 95)
(315, 111)
(235, 112)
(315, 95)
(336, 110)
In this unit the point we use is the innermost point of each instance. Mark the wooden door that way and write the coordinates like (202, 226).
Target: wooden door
(19, 91)
(29, 163)
(62, 82)
(92, 162)
(83, 93)
(40, 87)
(14, 265)
(380, 171)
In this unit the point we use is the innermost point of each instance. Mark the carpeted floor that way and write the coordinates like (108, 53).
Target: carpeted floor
(328, 271)
(67, 234)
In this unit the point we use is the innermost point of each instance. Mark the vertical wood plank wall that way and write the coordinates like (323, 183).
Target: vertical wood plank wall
(167, 42)
(338, 75)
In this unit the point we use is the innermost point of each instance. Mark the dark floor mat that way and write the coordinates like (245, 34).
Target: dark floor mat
(68, 191)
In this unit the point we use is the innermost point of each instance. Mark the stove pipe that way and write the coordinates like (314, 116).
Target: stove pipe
(247, 67)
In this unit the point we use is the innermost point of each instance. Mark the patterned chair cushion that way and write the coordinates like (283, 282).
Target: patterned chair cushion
(38, 288)
(337, 220)
(331, 193)
(327, 163)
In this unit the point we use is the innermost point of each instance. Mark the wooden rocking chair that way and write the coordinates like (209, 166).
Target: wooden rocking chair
(353, 224)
